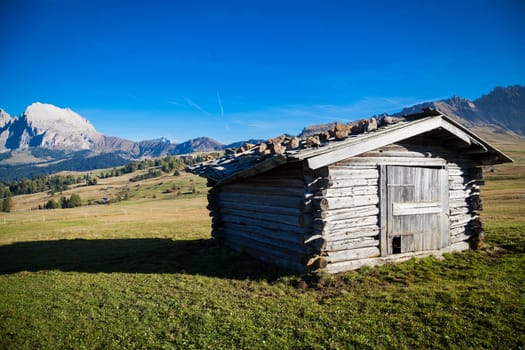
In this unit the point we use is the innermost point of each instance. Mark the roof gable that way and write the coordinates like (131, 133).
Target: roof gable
(350, 147)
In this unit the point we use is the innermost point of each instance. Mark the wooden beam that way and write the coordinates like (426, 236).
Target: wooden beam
(413, 208)
(383, 208)
(397, 161)
(457, 132)
(500, 157)
(374, 140)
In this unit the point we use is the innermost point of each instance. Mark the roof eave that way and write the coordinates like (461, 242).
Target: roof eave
(495, 156)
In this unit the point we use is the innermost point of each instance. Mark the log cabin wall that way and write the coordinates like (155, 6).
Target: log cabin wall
(268, 216)
(350, 213)
(347, 213)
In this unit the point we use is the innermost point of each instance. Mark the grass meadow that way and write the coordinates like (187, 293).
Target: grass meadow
(143, 274)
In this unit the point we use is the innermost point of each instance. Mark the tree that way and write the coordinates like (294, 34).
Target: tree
(7, 204)
(64, 202)
(74, 201)
(51, 204)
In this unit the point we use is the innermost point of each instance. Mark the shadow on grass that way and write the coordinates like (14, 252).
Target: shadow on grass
(150, 255)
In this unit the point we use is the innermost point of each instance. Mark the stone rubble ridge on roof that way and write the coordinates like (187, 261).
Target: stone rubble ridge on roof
(250, 154)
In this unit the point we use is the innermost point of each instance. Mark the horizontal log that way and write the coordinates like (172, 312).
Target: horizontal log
(254, 222)
(264, 248)
(459, 194)
(460, 221)
(400, 154)
(458, 186)
(356, 232)
(411, 208)
(460, 238)
(344, 165)
(291, 237)
(458, 203)
(329, 226)
(465, 172)
(294, 220)
(260, 208)
(362, 242)
(455, 171)
(344, 202)
(457, 231)
(283, 201)
(459, 246)
(277, 181)
(455, 211)
(348, 191)
(271, 243)
(352, 173)
(266, 190)
(398, 161)
(339, 182)
(353, 254)
(346, 213)
(459, 225)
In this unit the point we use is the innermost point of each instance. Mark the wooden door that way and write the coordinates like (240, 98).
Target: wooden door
(416, 209)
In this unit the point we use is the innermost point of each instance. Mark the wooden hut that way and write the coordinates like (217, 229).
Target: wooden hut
(375, 191)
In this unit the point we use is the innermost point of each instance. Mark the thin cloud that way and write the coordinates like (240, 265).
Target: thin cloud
(175, 103)
(195, 105)
(364, 108)
(219, 101)
(293, 118)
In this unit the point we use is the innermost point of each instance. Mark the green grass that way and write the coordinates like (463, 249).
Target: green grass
(144, 274)
(154, 293)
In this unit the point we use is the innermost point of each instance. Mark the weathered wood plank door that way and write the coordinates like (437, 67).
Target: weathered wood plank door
(416, 209)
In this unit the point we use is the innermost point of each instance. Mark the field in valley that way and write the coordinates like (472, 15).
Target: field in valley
(143, 273)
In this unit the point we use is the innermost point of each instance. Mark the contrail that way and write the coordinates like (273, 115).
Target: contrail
(194, 105)
(220, 103)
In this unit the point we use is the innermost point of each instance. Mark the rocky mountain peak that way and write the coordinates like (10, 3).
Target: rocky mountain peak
(199, 144)
(505, 107)
(47, 126)
(49, 117)
(5, 118)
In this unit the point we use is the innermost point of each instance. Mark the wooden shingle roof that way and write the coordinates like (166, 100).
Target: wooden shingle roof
(327, 148)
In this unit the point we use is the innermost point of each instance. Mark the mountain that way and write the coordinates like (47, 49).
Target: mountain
(505, 106)
(315, 129)
(200, 144)
(45, 138)
(47, 126)
(503, 109)
(239, 144)
(5, 121)
(5, 118)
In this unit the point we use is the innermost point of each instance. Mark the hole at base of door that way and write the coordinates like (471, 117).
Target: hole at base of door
(396, 245)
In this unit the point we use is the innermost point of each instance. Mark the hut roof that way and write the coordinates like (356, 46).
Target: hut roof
(342, 142)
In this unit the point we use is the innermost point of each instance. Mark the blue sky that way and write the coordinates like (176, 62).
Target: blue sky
(251, 69)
